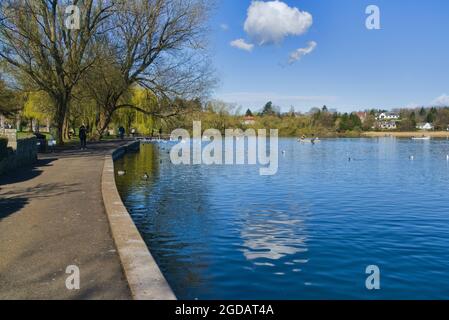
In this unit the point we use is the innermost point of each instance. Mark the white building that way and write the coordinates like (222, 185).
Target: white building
(388, 116)
(387, 125)
(425, 126)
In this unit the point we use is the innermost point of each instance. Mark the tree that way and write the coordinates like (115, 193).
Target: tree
(249, 113)
(432, 115)
(422, 112)
(349, 122)
(268, 109)
(369, 122)
(8, 107)
(442, 121)
(157, 45)
(37, 107)
(34, 40)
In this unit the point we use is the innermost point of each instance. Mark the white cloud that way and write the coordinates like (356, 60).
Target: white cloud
(272, 21)
(441, 101)
(301, 52)
(242, 44)
(224, 27)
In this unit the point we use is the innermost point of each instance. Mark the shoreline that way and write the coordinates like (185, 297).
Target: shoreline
(408, 134)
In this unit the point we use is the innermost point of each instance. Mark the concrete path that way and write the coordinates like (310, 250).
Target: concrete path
(52, 216)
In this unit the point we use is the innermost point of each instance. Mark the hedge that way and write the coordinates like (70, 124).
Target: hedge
(3, 147)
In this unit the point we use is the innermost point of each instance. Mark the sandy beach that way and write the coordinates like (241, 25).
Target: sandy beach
(407, 134)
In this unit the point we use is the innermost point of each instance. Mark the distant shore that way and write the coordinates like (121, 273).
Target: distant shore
(408, 134)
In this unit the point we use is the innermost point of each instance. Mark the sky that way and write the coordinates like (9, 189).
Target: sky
(310, 53)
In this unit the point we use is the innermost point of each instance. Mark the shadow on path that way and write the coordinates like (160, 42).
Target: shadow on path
(13, 201)
(25, 173)
(10, 206)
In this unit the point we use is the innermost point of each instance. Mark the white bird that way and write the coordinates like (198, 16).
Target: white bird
(447, 157)
(412, 158)
(146, 176)
(121, 173)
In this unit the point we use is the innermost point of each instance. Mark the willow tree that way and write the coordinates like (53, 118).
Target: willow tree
(159, 45)
(37, 108)
(36, 39)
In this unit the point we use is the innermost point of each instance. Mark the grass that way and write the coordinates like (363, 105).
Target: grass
(26, 134)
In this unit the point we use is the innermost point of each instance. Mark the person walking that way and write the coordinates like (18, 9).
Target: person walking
(121, 132)
(83, 137)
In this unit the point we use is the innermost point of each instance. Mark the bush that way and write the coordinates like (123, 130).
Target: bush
(3, 147)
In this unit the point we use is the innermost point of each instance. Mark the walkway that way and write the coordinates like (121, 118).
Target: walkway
(52, 216)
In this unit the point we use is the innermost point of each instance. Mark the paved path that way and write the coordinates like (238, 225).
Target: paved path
(52, 216)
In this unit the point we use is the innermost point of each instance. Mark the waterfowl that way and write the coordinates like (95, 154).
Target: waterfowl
(146, 176)
(121, 172)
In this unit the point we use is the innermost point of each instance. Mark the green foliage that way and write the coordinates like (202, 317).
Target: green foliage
(422, 112)
(349, 122)
(432, 115)
(268, 109)
(38, 106)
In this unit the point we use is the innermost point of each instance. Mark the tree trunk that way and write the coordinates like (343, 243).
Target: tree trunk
(61, 103)
(102, 126)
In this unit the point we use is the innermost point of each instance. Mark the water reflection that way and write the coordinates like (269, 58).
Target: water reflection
(272, 235)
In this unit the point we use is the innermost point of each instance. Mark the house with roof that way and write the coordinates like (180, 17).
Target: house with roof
(362, 116)
(387, 125)
(388, 116)
(425, 126)
(249, 121)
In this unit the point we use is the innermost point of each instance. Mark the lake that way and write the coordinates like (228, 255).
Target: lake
(308, 232)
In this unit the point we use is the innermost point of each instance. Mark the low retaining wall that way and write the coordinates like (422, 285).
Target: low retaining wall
(145, 279)
(11, 135)
(24, 153)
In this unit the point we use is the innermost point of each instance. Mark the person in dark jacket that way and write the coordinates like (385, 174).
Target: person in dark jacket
(121, 132)
(83, 137)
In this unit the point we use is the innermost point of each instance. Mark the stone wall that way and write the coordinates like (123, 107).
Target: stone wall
(24, 154)
(11, 134)
(144, 277)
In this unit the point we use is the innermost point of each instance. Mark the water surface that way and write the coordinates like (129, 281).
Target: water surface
(309, 232)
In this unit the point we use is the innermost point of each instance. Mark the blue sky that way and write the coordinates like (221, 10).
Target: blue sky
(405, 63)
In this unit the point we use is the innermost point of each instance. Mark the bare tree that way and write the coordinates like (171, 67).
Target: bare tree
(34, 39)
(156, 44)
